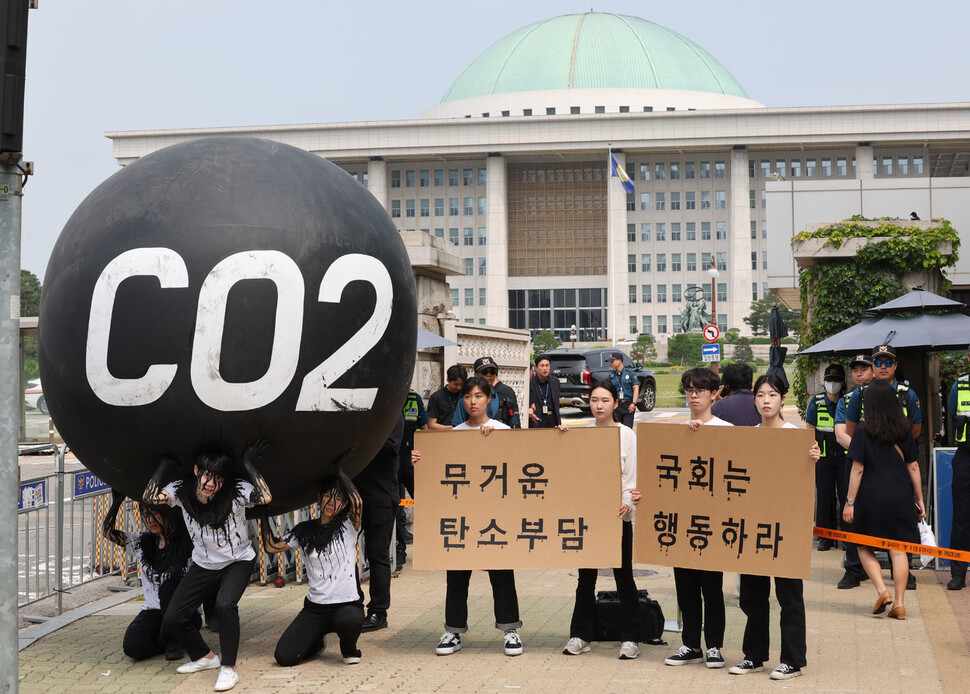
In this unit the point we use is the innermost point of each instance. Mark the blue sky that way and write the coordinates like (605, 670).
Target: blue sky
(99, 65)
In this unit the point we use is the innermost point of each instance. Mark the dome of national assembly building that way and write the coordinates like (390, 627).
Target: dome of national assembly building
(590, 63)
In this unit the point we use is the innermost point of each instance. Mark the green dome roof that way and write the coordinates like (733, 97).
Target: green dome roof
(590, 51)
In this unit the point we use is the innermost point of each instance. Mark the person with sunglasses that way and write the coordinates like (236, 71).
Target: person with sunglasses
(503, 406)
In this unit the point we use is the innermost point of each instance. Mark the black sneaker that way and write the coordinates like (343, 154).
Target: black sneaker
(685, 656)
(785, 672)
(746, 667)
(849, 581)
(448, 644)
(374, 621)
(824, 544)
(957, 583)
(714, 657)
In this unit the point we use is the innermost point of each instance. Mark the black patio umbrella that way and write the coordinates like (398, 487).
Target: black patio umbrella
(930, 331)
(776, 353)
(918, 300)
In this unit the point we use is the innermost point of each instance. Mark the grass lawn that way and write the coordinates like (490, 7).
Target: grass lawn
(668, 394)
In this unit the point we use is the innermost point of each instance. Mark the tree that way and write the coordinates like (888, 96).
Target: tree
(644, 350)
(542, 343)
(761, 312)
(685, 349)
(30, 290)
(742, 351)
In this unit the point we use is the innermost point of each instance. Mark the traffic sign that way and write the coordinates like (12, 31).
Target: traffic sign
(711, 333)
(711, 352)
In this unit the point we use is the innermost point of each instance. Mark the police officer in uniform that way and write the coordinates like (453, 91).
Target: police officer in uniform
(861, 370)
(627, 387)
(415, 417)
(503, 406)
(884, 364)
(830, 470)
(959, 408)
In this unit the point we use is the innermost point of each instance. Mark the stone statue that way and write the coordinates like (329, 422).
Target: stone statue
(694, 316)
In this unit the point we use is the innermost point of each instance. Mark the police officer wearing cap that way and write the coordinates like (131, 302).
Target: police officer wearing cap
(627, 387)
(860, 369)
(503, 406)
(884, 364)
(830, 470)
(959, 408)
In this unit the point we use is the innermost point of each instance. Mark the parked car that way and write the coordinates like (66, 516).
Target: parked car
(34, 397)
(578, 369)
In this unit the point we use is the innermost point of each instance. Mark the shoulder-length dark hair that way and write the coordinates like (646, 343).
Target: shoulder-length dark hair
(609, 388)
(884, 418)
(773, 381)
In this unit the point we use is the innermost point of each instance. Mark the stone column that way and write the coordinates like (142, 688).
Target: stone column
(618, 276)
(497, 225)
(377, 180)
(863, 162)
(739, 274)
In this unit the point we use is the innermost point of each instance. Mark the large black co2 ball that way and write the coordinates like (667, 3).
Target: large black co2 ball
(220, 291)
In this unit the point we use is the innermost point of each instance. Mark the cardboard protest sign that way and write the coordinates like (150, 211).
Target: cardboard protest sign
(519, 499)
(734, 499)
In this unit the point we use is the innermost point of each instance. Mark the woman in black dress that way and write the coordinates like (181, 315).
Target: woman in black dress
(883, 485)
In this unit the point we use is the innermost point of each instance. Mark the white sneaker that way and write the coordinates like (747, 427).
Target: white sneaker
(199, 665)
(448, 644)
(629, 650)
(576, 646)
(227, 679)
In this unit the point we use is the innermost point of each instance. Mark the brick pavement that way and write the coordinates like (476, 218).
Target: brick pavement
(849, 649)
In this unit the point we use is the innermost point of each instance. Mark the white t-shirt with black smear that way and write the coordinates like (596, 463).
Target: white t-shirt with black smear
(217, 548)
(332, 573)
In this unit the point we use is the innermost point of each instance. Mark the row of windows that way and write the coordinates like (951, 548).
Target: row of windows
(823, 166)
(575, 111)
(469, 297)
(470, 266)
(646, 262)
(661, 171)
(690, 200)
(678, 232)
(423, 178)
(647, 295)
(467, 208)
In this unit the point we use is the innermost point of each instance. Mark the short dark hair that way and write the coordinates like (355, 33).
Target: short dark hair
(772, 380)
(456, 372)
(543, 357)
(700, 378)
(885, 420)
(215, 462)
(737, 376)
(476, 382)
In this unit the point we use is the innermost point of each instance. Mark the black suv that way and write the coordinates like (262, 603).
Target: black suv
(578, 369)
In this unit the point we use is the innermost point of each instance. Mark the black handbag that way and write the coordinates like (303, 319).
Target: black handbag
(608, 612)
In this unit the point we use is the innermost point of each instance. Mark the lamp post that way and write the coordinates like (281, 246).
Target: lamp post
(712, 271)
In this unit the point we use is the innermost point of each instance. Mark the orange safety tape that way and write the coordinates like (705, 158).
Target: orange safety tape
(406, 502)
(881, 543)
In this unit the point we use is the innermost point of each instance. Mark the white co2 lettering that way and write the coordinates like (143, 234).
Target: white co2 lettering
(316, 393)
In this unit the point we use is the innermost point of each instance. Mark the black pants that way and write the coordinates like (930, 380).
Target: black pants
(304, 637)
(960, 530)
(700, 596)
(830, 477)
(504, 597)
(182, 615)
(584, 611)
(405, 477)
(145, 637)
(755, 591)
(378, 524)
(622, 411)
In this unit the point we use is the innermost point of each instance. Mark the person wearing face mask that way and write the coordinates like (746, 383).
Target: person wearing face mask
(830, 471)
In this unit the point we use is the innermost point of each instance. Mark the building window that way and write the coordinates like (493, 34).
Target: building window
(483, 266)
(409, 208)
(676, 318)
(661, 202)
(482, 177)
(902, 166)
(720, 230)
(705, 231)
(796, 168)
(765, 168)
(395, 208)
(424, 178)
(469, 236)
(633, 293)
(887, 166)
(754, 229)
(631, 233)
(439, 207)
(631, 262)
(751, 199)
(644, 172)
(690, 200)
(722, 261)
(469, 206)
(646, 295)
(482, 236)
(780, 167)
(826, 166)
(751, 171)
(764, 228)
(631, 202)
(675, 231)
(645, 231)
(721, 291)
(675, 262)
(409, 179)
(574, 110)
(722, 322)
(596, 109)
(440, 233)
(689, 170)
(661, 293)
(674, 171)
(661, 231)
(707, 292)
(453, 236)
(754, 260)
(764, 198)
(675, 294)
(469, 297)
(691, 262)
(691, 231)
(453, 177)
(918, 166)
(675, 200)
(720, 199)
(395, 179)
(661, 262)
(439, 177)
(624, 109)
(660, 172)
(661, 324)
(705, 169)
(454, 297)
(467, 177)
(841, 166)
(645, 262)
(644, 202)
(482, 203)
(764, 260)
(469, 267)
(550, 110)
(764, 289)
(453, 207)
(754, 291)
(810, 170)
(527, 112)
(481, 296)
(705, 199)
(647, 109)
(719, 170)
(633, 319)
(425, 207)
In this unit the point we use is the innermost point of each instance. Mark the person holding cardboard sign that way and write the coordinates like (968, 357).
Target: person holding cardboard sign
(700, 594)
(475, 393)
(603, 402)
(769, 397)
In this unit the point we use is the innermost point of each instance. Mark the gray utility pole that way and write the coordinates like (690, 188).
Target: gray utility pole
(11, 400)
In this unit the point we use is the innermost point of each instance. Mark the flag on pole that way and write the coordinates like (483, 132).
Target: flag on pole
(621, 174)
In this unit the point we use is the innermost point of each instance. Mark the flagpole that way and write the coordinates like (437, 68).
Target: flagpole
(611, 300)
